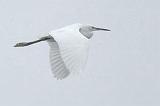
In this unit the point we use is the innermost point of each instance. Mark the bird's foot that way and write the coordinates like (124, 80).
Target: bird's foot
(22, 44)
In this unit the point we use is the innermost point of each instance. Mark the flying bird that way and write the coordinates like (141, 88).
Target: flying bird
(68, 48)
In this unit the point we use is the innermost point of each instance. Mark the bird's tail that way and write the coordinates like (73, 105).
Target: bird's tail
(23, 44)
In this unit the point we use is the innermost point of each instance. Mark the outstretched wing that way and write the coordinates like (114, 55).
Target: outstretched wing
(58, 67)
(68, 54)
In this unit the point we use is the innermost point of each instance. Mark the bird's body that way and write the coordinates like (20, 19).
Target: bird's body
(68, 48)
(69, 53)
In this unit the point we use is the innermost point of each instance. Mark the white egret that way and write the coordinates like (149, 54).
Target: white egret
(68, 48)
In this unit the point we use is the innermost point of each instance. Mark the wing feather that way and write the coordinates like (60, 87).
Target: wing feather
(68, 53)
(58, 67)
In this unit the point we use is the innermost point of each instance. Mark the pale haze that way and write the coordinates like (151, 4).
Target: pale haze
(123, 67)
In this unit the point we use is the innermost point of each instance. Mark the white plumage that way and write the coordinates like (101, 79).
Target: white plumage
(68, 48)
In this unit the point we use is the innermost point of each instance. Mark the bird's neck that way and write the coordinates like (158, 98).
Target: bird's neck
(87, 34)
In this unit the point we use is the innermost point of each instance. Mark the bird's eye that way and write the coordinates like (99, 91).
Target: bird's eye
(93, 27)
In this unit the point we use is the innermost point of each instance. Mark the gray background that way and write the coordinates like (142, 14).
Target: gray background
(123, 65)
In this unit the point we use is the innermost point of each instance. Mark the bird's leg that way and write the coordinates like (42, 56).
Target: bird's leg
(22, 44)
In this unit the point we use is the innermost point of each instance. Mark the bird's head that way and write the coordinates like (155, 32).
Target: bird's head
(87, 30)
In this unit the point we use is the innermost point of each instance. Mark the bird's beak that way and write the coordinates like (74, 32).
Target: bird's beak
(98, 29)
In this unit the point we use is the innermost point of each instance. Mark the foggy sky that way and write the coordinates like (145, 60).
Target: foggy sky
(123, 67)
